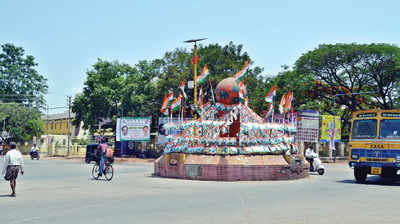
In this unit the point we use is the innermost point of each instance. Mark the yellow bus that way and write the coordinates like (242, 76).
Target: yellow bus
(375, 143)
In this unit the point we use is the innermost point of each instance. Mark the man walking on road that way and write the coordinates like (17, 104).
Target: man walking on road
(13, 163)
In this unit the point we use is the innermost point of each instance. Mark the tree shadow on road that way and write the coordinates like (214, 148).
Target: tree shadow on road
(375, 180)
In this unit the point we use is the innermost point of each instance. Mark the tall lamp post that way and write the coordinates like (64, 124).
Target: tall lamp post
(334, 116)
(195, 60)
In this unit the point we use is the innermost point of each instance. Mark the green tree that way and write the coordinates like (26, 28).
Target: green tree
(354, 68)
(20, 121)
(19, 80)
(397, 93)
(350, 70)
(300, 84)
(102, 95)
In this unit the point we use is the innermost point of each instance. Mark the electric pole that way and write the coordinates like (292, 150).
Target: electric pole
(69, 123)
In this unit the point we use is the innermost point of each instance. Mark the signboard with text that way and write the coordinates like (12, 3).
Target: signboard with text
(133, 129)
(329, 130)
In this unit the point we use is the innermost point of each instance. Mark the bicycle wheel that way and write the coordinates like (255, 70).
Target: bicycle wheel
(109, 172)
(95, 171)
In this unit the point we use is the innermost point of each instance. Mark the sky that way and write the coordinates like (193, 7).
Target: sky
(67, 37)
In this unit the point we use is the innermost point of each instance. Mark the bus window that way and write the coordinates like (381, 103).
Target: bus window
(389, 128)
(364, 128)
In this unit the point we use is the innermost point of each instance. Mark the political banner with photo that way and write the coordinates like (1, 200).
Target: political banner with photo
(133, 129)
(163, 133)
(329, 130)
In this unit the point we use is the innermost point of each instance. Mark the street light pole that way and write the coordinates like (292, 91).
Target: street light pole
(334, 117)
(195, 59)
(69, 124)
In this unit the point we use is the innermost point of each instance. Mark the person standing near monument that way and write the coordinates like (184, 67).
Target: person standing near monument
(13, 164)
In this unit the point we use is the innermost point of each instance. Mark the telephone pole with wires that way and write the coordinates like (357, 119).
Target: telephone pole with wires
(69, 123)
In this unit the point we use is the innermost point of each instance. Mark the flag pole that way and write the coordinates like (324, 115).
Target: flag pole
(195, 58)
(170, 114)
(273, 109)
(182, 105)
(212, 91)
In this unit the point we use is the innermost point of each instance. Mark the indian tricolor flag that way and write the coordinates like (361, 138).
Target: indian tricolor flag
(270, 110)
(282, 104)
(170, 98)
(182, 87)
(270, 96)
(202, 78)
(242, 73)
(164, 106)
(288, 103)
(176, 105)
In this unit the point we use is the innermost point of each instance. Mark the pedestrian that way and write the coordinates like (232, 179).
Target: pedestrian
(13, 163)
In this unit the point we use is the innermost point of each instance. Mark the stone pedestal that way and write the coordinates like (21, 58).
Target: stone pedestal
(230, 167)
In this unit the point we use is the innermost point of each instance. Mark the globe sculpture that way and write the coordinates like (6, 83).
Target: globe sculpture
(230, 142)
(227, 92)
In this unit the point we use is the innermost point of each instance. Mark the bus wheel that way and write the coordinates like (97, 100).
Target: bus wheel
(360, 173)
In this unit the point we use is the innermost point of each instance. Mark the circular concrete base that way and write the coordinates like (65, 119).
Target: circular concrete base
(230, 167)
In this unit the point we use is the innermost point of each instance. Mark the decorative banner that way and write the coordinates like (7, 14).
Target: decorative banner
(133, 129)
(329, 130)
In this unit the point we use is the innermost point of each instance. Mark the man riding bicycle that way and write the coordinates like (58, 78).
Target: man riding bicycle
(103, 152)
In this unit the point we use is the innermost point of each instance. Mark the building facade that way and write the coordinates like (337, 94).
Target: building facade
(57, 124)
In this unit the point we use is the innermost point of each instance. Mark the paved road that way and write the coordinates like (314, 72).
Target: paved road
(57, 191)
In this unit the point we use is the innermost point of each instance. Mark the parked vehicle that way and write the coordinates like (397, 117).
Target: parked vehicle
(375, 143)
(316, 164)
(35, 155)
(91, 153)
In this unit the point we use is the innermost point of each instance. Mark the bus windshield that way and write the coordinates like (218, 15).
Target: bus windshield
(389, 128)
(364, 128)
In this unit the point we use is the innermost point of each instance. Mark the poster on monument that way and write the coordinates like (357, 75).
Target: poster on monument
(163, 132)
(133, 129)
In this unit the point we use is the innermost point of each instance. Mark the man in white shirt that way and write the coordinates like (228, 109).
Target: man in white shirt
(34, 148)
(13, 163)
(309, 157)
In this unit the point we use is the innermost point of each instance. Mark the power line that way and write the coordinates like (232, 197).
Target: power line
(17, 95)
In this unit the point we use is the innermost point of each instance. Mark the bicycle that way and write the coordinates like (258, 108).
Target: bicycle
(108, 170)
